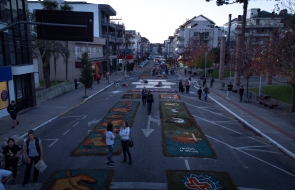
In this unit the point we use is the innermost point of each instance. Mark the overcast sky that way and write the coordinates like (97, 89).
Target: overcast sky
(158, 19)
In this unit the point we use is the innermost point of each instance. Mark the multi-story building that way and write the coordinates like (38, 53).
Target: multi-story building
(104, 28)
(16, 64)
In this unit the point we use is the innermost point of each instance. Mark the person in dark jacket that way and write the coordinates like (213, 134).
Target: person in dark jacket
(76, 84)
(200, 91)
(150, 100)
(12, 109)
(241, 93)
(144, 95)
(180, 86)
(33, 152)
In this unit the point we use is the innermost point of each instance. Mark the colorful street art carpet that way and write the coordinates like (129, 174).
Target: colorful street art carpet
(131, 96)
(79, 179)
(169, 96)
(154, 90)
(146, 74)
(199, 180)
(94, 143)
(181, 134)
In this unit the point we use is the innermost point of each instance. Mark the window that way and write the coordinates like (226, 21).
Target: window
(89, 50)
(77, 50)
(94, 50)
(83, 49)
(98, 50)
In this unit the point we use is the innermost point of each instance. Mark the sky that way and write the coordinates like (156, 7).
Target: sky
(158, 19)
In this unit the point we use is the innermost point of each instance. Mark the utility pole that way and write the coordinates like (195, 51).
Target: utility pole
(108, 50)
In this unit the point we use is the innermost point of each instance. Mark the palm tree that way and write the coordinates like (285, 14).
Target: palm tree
(48, 48)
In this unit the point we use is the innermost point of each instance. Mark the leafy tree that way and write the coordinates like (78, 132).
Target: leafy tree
(86, 76)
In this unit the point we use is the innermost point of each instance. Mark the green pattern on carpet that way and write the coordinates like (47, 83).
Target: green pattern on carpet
(94, 143)
(201, 180)
(131, 96)
(169, 96)
(181, 134)
(79, 179)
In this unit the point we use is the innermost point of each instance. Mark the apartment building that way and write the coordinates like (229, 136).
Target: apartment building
(16, 64)
(104, 28)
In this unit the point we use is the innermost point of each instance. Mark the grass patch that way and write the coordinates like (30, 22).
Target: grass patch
(215, 74)
(52, 83)
(281, 93)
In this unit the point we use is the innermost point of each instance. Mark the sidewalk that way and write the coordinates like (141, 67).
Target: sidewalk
(48, 111)
(277, 124)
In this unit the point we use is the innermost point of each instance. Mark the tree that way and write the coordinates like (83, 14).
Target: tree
(86, 76)
(48, 48)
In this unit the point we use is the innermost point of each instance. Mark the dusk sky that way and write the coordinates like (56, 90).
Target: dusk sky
(158, 19)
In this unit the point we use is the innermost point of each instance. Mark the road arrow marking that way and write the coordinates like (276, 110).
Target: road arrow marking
(148, 130)
(93, 122)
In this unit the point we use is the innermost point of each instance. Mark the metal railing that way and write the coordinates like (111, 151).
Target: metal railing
(54, 91)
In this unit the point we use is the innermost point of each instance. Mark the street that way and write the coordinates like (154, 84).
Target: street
(249, 159)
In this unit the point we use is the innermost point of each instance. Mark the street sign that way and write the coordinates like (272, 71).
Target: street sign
(65, 25)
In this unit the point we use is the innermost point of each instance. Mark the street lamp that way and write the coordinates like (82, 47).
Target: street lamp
(206, 53)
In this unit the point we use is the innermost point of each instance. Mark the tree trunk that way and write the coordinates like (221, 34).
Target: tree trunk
(46, 70)
(85, 91)
(292, 108)
(247, 88)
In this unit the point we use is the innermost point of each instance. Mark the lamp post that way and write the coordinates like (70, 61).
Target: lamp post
(206, 53)
(231, 61)
(138, 42)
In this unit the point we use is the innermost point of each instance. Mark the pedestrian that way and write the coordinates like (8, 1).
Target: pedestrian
(180, 86)
(11, 153)
(185, 72)
(97, 78)
(200, 91)
(241, 93)
(144, 95)
(187, 86)
(229, 90)
(12, 109)
(150, 100)
(125, 136)
(206, 92)
(33, 152)
(211, 82)
(4, 176)
(110, 137)
(76, 82)
(204, 81)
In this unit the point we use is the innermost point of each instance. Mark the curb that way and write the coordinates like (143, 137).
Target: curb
(280, 147)
(85, 100)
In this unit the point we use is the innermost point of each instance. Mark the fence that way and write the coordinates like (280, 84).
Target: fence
(54, 91)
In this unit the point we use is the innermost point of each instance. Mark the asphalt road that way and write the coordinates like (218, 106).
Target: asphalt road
(251, 161)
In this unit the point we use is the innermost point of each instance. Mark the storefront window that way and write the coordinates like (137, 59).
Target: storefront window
(4, 99)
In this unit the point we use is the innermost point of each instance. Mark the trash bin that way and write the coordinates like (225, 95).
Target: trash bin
(222, 85)
(249, 95)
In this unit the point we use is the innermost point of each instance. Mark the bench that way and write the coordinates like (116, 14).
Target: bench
(267, 101)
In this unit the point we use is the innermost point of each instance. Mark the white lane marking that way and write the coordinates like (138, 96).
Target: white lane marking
(138, 185)
(84, 117)
(273, 152)
(66, 132)
(93, 122)
(148, 130)
(187, 165)
(267, 163)
(53, 143)
(216, 113)
(245, 188)
(76, 124)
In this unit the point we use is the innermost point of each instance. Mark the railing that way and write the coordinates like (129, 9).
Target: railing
(54, 91)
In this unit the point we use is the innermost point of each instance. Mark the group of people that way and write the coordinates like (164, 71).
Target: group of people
(32, 153)
(147, 98)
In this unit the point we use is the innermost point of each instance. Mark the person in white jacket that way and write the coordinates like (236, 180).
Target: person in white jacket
(125, 136)
(110, 137)
(4, 175)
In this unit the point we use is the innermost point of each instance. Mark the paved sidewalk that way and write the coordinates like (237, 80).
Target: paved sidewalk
(36, 117)
(277, 124)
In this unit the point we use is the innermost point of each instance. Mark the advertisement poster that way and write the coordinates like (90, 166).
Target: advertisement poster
(4, 99)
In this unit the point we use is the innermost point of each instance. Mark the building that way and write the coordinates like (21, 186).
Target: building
(104, 28)
(17, 71)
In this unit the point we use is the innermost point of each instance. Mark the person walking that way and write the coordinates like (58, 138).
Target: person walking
(211, 82)
(200, 91)
(186, 84)
(76, 84)
(180, 86)
(33, 152)
(97, 78)
(12, 109)
(241, 93)
(229, 90)
(206, 92)
(185, 72)
(125, 136)
(11, 153)
(150, 100)
(204, 81)
(144, 95)
(110, 137)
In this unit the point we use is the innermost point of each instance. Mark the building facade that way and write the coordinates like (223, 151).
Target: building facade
(16, 63)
